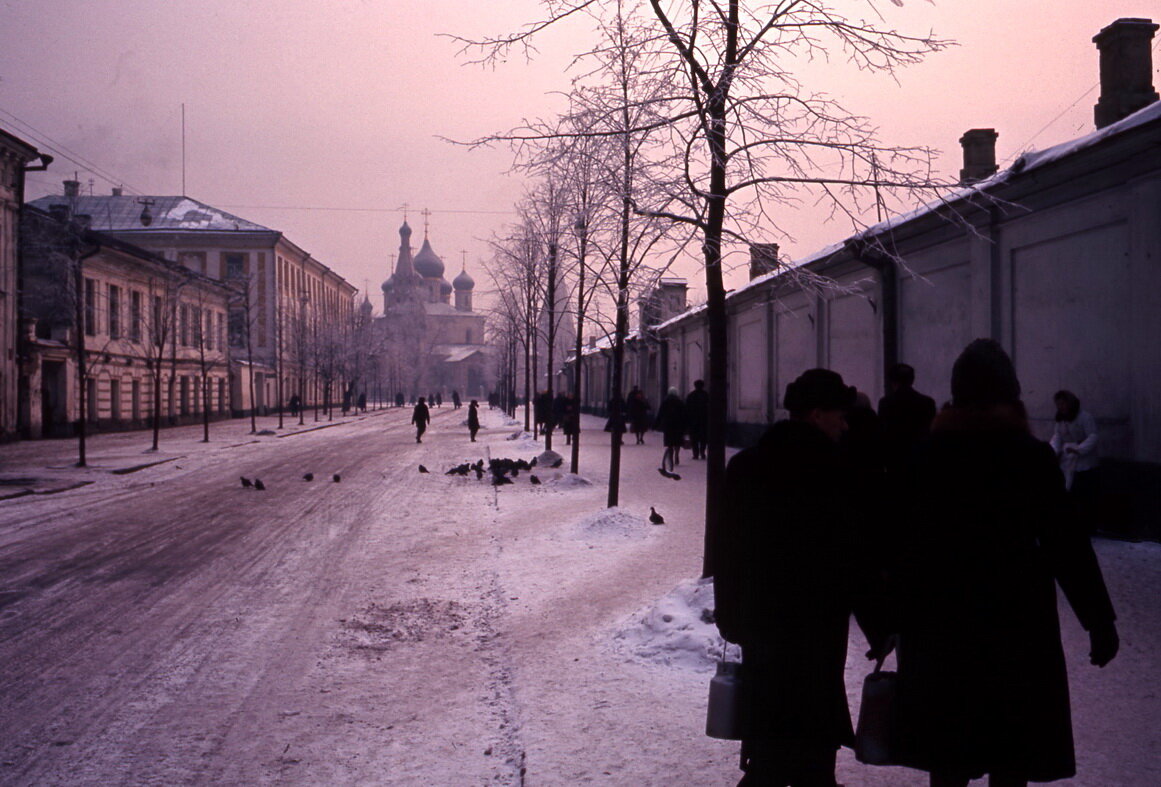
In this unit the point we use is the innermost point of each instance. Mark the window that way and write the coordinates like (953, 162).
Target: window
(115, 399)
(196, 316)
(91, 391)
(183, 335)
(90, 307)
(235, 266)
(158, 320)
(209, 330)
(468, 338)
(114, 312)
(135, 315)
(221, 331)
(237, 328)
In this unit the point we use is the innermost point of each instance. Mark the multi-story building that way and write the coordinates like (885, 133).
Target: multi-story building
(15, 157)
(114, 333)
(288, 304)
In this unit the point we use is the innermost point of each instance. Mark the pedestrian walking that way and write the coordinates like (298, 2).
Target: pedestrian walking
(456, 402)
(1075, 441)
(790, 565)
(697, 418)
(473, 419)
(671, 422)
(421, 417)
(541, 413)
(362, 402)
(637, 409)
(906, 416)
(983, 687)
(571, 423)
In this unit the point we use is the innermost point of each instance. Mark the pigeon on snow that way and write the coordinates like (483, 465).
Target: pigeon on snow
(246, 482)
(308, 476)
(423, 469)
(261, 487)
(655, 517)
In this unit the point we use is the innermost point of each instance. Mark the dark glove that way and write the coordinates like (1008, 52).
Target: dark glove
(1103, 644)
(881, 648)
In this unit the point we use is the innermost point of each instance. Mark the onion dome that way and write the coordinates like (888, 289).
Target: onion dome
(427, 263)
(463, 281)
(445, 287)
(388, 285)
(365, 308)
(405, 230)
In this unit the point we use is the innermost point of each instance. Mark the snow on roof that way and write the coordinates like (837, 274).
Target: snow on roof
(121, 213)
(1025, 163)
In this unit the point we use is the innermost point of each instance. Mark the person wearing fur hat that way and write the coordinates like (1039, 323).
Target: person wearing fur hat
(789, 567)
(982, 682)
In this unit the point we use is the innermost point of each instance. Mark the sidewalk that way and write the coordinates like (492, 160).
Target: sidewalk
(45, 467)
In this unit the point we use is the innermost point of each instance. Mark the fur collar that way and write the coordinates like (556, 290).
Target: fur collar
(1005, 417)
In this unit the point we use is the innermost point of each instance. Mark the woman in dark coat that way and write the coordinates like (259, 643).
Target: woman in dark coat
(982, 680)
(671, 422)
(473, 419)
(638, 412)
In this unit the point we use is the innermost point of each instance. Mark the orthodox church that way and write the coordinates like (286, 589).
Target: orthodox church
(434, 344)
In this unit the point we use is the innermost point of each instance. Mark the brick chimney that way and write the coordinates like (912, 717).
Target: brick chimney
(979, 155)
(72, 188)
(1126, 69)
(763, 259)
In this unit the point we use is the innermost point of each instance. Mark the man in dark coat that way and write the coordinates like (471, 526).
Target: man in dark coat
(671, 422)
(421, 417)
(697, 418)
(473, 419)
(906, 416)
(982, 680)
(789, 570)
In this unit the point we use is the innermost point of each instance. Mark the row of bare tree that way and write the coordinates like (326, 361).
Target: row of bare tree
(686, 124)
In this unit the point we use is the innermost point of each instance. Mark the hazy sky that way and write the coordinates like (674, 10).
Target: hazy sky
(321, 118)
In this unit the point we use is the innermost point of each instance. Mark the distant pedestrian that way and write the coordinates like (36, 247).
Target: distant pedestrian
(456, 400)
(399, 399)
(421, 417)
(571, 423)
(363, 402)
(637, 410)
(559, 408)
(983, 687)
(697, 418)
(346, 401)
(906, 416)
(438, 399)
(473, 419)
(1074, 439)
(615, 424)
(671, 422)
(295, 404)
(541, 413)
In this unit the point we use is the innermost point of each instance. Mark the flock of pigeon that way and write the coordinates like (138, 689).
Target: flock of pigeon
(261, 487)
(502, 471)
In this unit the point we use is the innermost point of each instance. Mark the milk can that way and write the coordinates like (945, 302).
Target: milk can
(724, 714)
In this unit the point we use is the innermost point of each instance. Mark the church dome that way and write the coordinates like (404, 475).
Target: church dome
(365, 307)
(427, 263)
(463, 281)
(445, 287)
(388, 284)
(405, 230)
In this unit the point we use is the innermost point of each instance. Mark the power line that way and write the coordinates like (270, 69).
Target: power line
(361, 209)
(65, 152)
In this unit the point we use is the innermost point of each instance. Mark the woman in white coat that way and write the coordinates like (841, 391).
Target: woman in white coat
(1074, 439)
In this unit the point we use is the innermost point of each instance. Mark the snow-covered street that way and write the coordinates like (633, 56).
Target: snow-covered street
(168, 626)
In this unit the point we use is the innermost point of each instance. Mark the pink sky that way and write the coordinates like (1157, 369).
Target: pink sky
(322, 119)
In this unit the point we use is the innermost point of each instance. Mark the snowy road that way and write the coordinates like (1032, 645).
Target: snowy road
(168, 626)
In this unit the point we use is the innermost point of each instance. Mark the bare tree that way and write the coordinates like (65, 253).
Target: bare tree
(750, 137)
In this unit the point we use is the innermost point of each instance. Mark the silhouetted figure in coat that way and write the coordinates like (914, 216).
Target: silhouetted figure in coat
(906, 415)
(615, 424)
(473, 419)
(421, 417)
(790, 566)
(1075, 441)
(637, 409)
(697, 418)
(541, 413)
(671, 422)
(362, 402)
(456, 402)
(399, 399)
(982, 680)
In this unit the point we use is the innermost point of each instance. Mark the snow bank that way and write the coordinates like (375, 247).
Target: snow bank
(549, 458)
(612, 522)
(569, 481)
(677, 631)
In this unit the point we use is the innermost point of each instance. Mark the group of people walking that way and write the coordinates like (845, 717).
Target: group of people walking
(945, 535)
(677, 419)
(421, 417)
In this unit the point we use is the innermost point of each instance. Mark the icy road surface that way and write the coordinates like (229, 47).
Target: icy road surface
(167, 626)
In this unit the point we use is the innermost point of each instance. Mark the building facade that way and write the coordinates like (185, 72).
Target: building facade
(115, 330)
(431, 339)
(288, 305)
